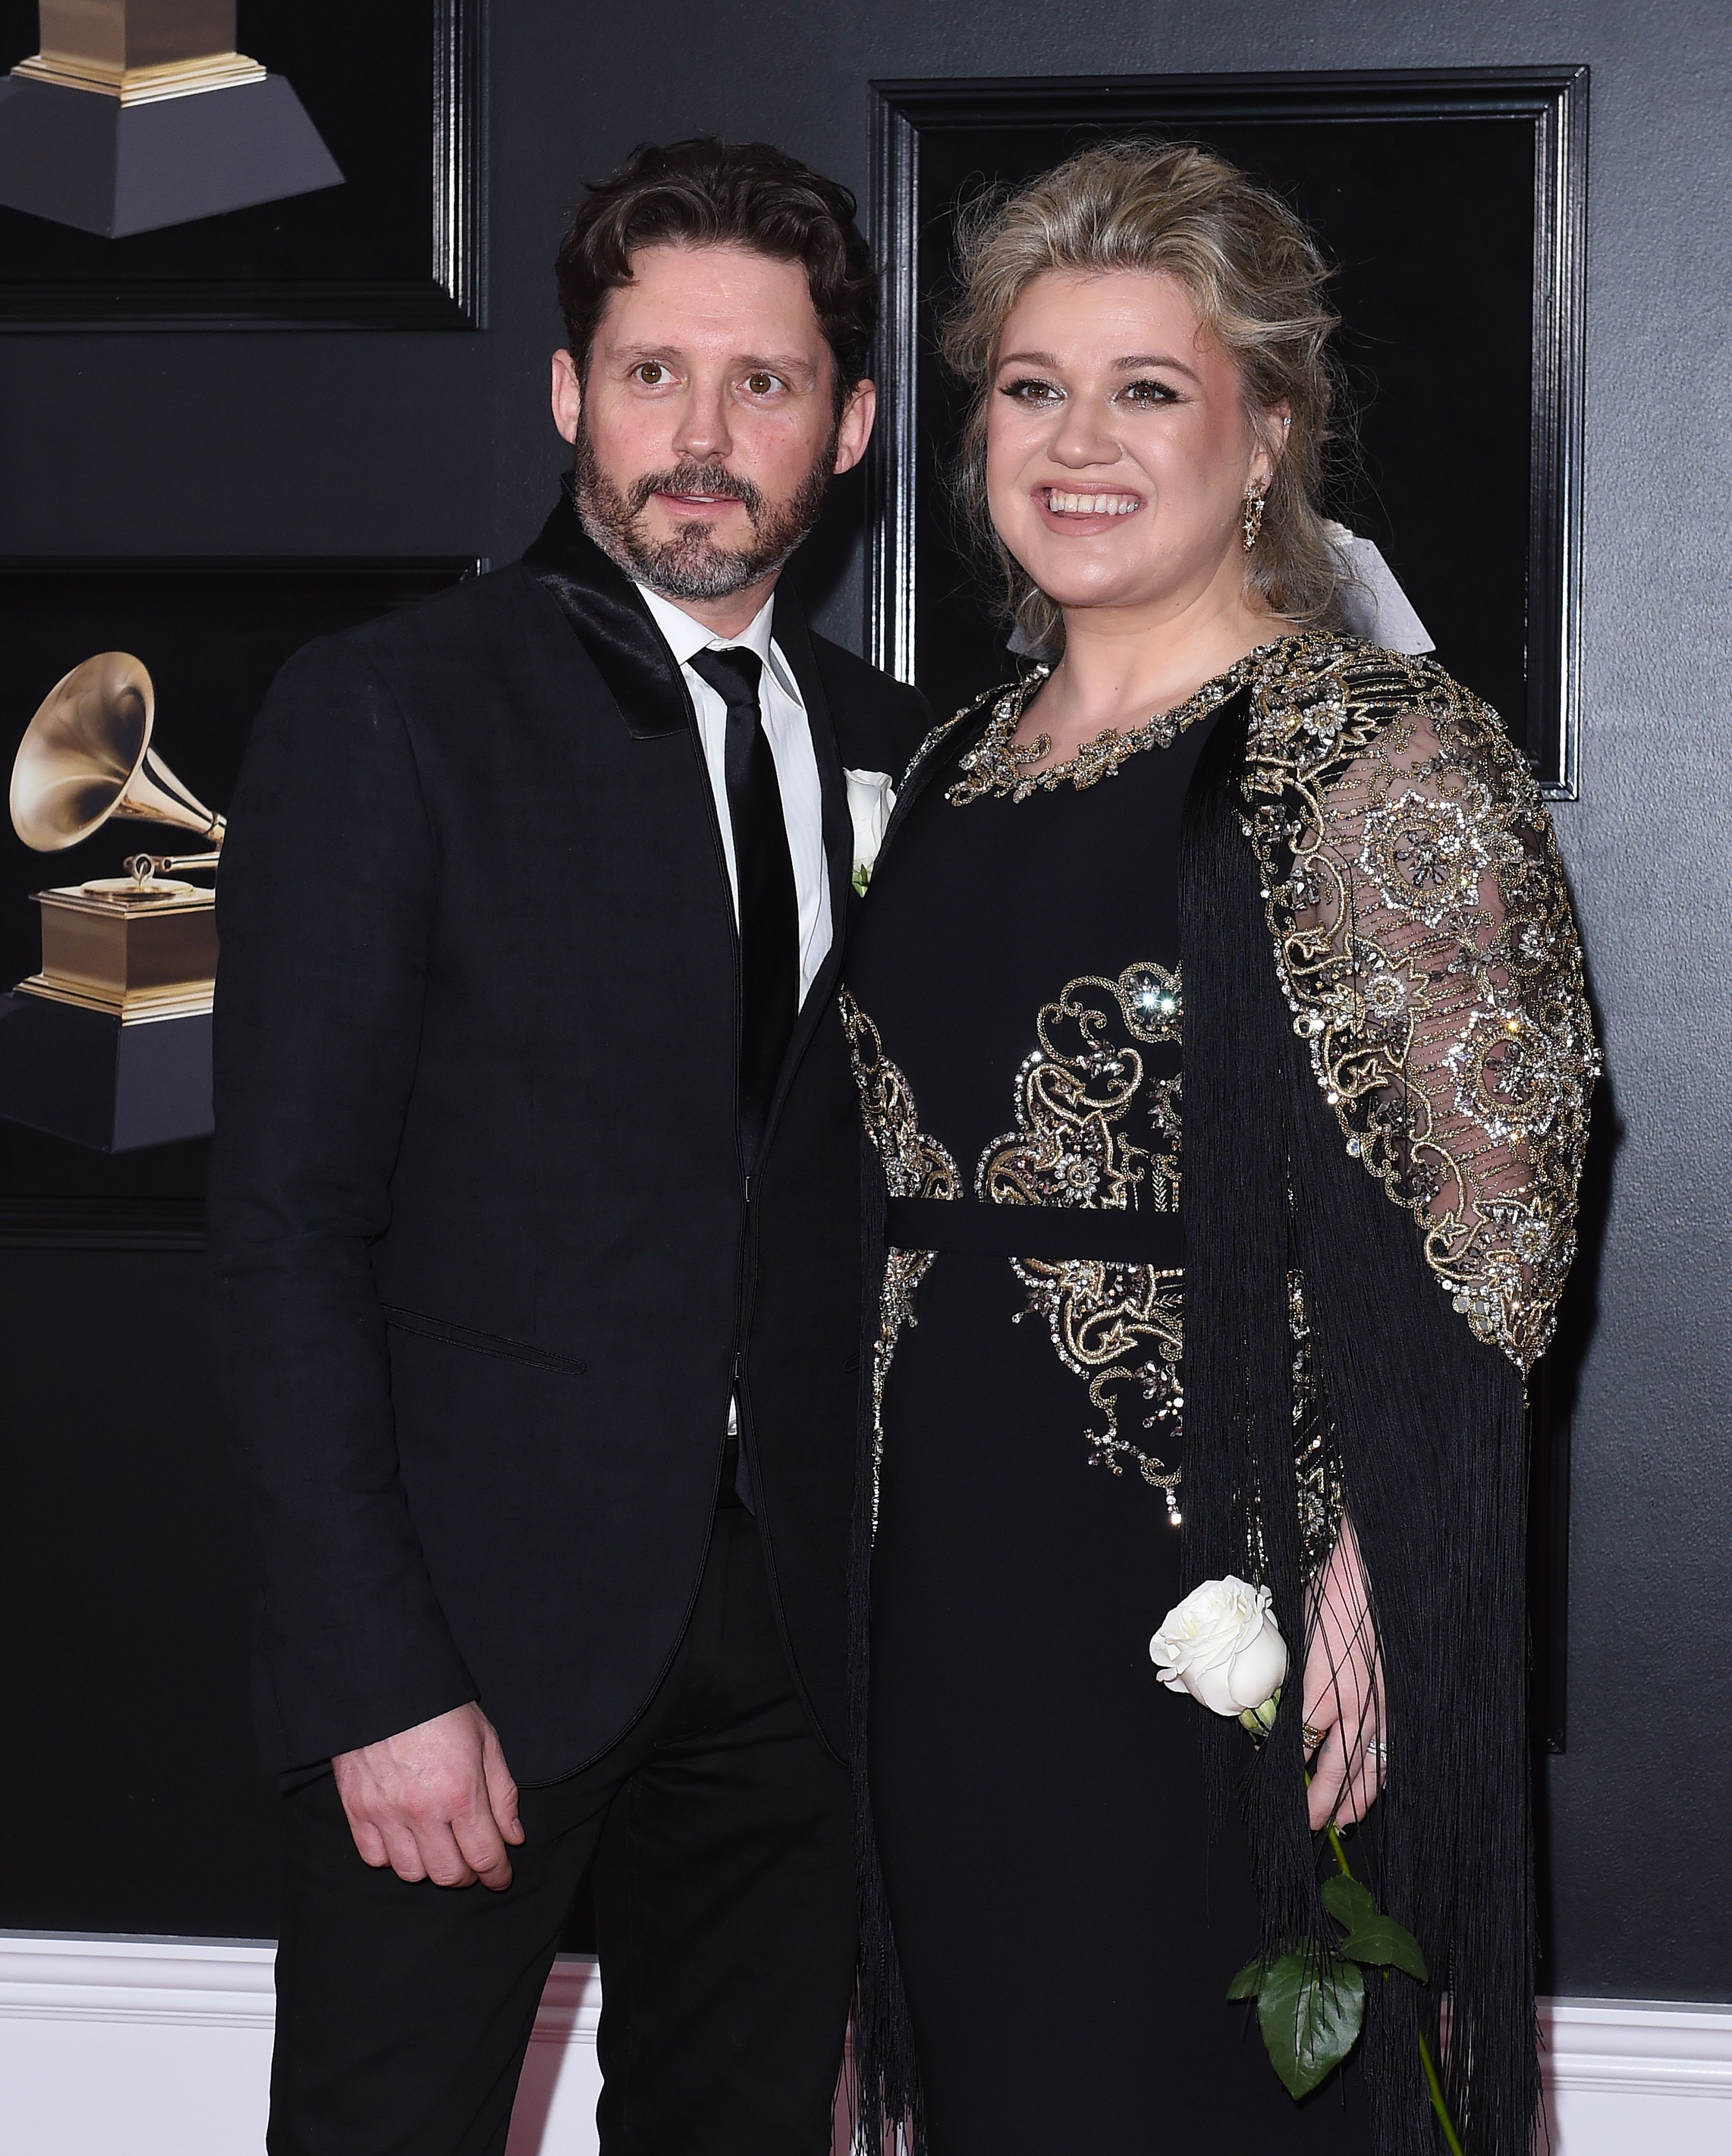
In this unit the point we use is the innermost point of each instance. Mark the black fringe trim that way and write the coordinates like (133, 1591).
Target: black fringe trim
(1431, 1431)
(886, 2071)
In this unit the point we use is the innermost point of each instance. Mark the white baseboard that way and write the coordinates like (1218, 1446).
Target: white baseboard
(1629, 2075)
(161, 2047)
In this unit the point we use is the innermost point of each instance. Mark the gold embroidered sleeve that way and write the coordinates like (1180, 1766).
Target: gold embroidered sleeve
(1424, 940)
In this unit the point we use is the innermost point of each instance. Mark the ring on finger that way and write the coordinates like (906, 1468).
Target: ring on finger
(1377, 1749)
(1314, 1739)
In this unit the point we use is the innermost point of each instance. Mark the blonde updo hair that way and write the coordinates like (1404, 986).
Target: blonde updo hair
(1256, 275)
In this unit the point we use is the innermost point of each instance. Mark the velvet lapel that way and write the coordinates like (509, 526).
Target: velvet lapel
(613, 625)
(791, 634)
(627, 649)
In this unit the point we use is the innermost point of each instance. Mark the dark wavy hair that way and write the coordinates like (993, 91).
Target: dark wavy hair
(703, 193)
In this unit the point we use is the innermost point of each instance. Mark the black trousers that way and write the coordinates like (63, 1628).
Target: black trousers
(718, 1833)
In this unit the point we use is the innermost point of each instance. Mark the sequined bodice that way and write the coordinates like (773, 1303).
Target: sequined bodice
(1019, 960)
(1015, 1011)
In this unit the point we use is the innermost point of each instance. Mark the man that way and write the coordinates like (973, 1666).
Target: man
(535, 1220)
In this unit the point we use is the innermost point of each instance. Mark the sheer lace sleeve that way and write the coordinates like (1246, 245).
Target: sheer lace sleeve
(1425, 942)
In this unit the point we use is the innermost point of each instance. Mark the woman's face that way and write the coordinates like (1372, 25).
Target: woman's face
(1119, 451)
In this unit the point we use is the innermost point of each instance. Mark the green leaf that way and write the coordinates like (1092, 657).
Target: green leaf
(1248, 1982)
(1382, 1940)
(1349, 1902)
(1310, 2012)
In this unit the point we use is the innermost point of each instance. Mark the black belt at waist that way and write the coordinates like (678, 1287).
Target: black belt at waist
(1052, 1232)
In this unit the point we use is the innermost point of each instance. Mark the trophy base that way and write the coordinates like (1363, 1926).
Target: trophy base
(108, 166)
(129, 950)
(141, 86)
(101, 1080)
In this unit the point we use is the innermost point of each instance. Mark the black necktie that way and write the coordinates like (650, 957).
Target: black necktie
(769, 911)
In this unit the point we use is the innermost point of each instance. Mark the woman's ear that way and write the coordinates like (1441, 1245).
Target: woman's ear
(1271, 429)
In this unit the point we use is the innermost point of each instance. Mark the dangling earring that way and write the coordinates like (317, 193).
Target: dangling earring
(1255, 503)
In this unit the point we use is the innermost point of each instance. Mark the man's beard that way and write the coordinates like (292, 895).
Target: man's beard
(691, 566)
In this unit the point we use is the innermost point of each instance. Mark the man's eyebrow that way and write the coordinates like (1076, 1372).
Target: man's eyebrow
(634, 355)
(787, 362)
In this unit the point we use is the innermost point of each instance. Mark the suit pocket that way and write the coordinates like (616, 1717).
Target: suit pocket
(482, 1343)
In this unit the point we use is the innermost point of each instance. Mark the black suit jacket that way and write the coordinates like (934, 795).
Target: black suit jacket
(484, 1271)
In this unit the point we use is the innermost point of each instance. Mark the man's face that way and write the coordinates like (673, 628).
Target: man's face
(706, 431)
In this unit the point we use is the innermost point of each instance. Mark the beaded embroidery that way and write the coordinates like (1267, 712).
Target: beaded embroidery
(915, 1166)
(1113, 1325)
(1426, 947)
(998, 764)
(1423, 941)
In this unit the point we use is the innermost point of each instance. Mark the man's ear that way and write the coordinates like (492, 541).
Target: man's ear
(853, 429)
(567, 395)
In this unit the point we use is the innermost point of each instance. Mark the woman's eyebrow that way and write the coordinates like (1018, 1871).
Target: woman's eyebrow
(1128, 365)
(1156, 359)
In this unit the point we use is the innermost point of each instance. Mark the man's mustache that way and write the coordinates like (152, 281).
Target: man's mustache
(697, 479)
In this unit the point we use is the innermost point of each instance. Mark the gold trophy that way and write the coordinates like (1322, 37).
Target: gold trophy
(138, 946)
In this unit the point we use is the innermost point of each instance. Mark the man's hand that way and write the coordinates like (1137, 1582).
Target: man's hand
(1344, 1694)
(434, 1802)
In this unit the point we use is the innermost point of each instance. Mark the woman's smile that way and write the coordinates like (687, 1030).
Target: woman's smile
(1068, 505)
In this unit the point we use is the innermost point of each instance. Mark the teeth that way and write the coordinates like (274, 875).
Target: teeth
(1091, 505)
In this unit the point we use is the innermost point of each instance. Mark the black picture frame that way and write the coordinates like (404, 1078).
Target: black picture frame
(213, 632)
(399, 92)
(1503, 596)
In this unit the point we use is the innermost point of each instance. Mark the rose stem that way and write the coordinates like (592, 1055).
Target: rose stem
(1425, 2050)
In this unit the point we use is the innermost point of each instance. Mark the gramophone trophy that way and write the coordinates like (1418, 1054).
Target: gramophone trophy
(110, 1042)
(143, 945)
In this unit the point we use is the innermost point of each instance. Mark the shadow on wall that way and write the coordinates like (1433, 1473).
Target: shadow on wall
(1579, 1312)
(1555, 1385)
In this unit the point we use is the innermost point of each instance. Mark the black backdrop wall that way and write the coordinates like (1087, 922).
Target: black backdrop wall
(131, 1803)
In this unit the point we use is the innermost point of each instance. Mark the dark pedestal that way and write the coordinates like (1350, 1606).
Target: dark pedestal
(86, 160)
(82, 1075)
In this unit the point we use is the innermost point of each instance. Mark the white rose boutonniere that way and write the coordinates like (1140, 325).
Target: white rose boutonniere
(1223, 1646)
(871, 798)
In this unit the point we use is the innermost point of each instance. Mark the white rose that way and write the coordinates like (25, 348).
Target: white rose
(1223, 1646)
(871, 798)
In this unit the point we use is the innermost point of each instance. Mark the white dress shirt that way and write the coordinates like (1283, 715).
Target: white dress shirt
(789, 735)
(790, 738)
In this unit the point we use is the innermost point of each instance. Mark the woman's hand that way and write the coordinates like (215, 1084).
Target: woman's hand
(1344, 1694)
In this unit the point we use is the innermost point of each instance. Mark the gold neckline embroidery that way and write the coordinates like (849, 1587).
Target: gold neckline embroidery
(999, 765)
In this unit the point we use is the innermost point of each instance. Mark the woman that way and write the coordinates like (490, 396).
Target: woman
(1191, 1090)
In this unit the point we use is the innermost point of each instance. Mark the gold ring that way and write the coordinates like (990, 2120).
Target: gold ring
(1314, 1739)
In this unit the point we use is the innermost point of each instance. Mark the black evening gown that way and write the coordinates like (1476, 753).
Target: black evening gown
(1066, 1916)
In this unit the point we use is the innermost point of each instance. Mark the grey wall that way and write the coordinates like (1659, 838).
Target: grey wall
(354, 444)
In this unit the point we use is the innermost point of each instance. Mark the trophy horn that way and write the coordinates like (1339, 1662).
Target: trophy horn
(86, 756)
